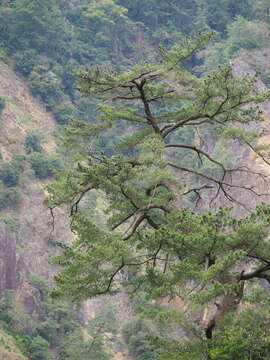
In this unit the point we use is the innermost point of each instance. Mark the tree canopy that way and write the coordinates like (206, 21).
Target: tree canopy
(154, 179)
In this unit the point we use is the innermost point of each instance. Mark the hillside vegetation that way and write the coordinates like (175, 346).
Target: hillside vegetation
(50, 44)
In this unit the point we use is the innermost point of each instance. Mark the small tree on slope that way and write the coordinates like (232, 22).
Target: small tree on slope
(204, 257)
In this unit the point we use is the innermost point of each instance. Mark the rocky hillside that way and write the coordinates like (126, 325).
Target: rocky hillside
(28, 240)
(26, 233)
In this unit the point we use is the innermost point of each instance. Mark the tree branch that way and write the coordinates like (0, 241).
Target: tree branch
(150, 119)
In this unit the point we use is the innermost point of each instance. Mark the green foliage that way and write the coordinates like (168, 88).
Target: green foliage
(137, 335)
(8, 220)
(75, 347)
(261, 10)
(172, 251)
(6, 314)
(44, 166)
(49, 41)
(39, 284)
(25, 61)
(104, 321)
(33, 141)
(59, 325)
(219, 15)
(63, 112)
(33, 20)
(2, 104)
(242, 337)
(10, 172)
(244, 34)
(167, 16)
(47, 85)
(39, 349)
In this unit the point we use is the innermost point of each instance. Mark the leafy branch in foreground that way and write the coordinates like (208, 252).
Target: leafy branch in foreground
(204, 259)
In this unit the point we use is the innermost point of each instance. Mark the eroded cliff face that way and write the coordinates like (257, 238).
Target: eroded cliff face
(26, 249)
(11, 264)
(26, 236)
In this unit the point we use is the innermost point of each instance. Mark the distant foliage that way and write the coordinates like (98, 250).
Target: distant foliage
(221, 14)
(10, 172)
(46, 85)
(51, 40)
(33, 141)
(8, 220)
(244, 34)
(25, 61)
(59, 328)
(2, 104)
(137, 336)
(39, 349)
(63, 112)
(44, 166)
(75, 347)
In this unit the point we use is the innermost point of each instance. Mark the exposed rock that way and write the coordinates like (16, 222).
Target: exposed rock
(11, 265)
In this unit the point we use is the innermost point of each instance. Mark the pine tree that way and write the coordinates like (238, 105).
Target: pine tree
(204, 257)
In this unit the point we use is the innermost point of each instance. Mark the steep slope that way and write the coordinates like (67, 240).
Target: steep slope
(26, 236)
(22, 112)
(25, 227)
(8, 349)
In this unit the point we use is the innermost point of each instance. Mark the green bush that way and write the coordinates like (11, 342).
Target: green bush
(39, 349)
(3, 54)
(8, 220)
(25, 61)
(44, 166)
(75, 347)
(136, 334)
(2, 103)
(39, 283)
(10, 172)
(47, 85)
(244, 34)
(63, 112)
(33, 141)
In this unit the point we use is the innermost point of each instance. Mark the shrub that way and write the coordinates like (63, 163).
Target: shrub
(44, 166)
(25, 61)
(142, 347)
(2, 103)
(63, 112)
(10, 172)
(247, 34)
(3, 54)
(39, 349)
(9, 221)
(136, 335)
(33, 141)
(47, 85)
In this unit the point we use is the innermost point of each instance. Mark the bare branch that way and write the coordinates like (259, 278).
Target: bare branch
(75, 205)
(147, 110)
(120, 267)
(196, 190)
(258, 273)
(135, 227)
(198, 151)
